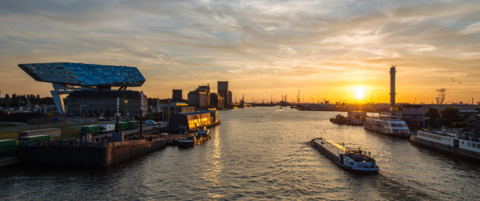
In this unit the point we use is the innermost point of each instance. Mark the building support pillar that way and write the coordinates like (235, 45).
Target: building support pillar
(58, 99)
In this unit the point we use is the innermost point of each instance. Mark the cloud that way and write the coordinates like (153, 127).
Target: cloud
(263, 41)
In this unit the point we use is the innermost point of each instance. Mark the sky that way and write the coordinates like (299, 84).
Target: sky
(340, 50)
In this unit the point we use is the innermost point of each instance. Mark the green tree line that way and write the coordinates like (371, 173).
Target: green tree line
(22, 100)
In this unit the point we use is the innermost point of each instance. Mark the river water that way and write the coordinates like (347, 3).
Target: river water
(258, 153)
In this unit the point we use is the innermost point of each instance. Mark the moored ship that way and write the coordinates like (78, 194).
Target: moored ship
(356, 118)
(462, 143)
(390, 125)
(339, 119)
(355, 160)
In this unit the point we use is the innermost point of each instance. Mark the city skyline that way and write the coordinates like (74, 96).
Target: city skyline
(338, 49)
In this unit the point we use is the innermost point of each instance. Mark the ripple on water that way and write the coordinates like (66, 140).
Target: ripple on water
(258, 153)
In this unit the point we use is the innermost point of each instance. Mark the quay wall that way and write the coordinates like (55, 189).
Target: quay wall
(121, 151)
(446, 148)
(89, 155)
(11, 159)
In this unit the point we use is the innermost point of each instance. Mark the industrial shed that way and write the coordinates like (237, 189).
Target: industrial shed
(192, 120)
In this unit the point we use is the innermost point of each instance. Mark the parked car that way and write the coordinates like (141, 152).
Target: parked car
(150, 122)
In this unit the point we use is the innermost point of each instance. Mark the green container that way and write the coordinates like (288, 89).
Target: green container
(133, 124)
(8, 145)
(92, 129)
(36, 137)
(122, 126)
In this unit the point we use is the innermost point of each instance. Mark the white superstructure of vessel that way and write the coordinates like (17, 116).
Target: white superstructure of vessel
(390, 125)
(462, 143)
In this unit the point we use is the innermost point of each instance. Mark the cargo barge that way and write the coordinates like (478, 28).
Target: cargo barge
(9, 152)
(463, 144)
(355, 160)
(90, 152)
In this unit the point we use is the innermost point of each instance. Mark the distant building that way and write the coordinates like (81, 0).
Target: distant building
(104, 103)
(175, 108)
(177, 95)
(200, 98)
(217, 101)
(192, 120)
(223, 91)
(473, 119)
(229, 98)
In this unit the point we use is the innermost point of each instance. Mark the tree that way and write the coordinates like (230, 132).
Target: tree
(156, 116)
(14, 98)
(457, 124)
(432, 113)
(7, 100)
(477, 109)
(449, 115)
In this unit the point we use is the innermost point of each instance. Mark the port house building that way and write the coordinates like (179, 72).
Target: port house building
(104, 103)
(67, 78)
(192, 120)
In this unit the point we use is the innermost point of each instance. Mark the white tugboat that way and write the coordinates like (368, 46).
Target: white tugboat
(355, 160)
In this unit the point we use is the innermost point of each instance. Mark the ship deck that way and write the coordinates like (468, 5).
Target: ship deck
(333, 147)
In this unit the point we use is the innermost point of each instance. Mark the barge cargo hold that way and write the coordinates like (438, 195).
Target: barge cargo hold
(90, 152)
(349, 159)
(450, 143)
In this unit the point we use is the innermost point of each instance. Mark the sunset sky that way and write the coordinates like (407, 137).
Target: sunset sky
(331, 48)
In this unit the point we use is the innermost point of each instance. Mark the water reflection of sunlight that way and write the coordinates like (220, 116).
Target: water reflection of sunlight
(214, 165)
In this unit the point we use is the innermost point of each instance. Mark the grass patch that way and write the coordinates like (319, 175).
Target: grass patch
(3, 125)
(68, 131)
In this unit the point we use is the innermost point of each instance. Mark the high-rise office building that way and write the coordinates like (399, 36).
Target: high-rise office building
(223, 91)
(177, 95)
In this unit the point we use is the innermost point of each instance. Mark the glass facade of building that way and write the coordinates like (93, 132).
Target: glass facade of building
(80, 74)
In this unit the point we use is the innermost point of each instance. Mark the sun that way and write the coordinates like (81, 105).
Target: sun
(359, 92)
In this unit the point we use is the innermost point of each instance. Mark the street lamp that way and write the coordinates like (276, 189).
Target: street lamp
(126, 102)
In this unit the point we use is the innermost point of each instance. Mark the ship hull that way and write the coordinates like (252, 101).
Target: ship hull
(402, 135)
(334, 157)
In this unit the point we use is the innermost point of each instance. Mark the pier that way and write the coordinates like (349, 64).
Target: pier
(89, 153)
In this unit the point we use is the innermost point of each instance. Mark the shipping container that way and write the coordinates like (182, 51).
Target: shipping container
(54, 132)
(92, 129)
(133, 124)
(8, 145)
(36, 137)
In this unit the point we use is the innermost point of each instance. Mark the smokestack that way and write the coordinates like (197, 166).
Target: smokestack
(392, 85)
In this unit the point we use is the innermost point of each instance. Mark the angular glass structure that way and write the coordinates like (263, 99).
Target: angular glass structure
(90, 77)
(80, 74)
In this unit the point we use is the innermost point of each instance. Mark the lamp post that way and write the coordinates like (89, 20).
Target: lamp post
(126, 103)
(141, 114)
